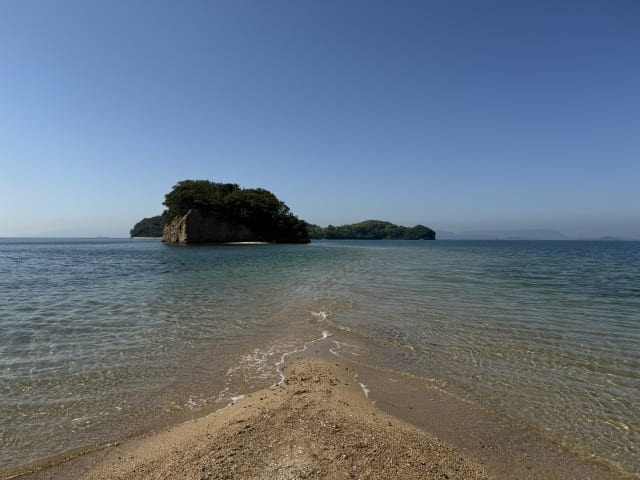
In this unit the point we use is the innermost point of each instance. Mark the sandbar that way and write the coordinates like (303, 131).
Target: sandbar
(317, 423)
(320, 423)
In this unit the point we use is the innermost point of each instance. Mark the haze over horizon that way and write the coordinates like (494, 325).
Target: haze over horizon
(496, 115)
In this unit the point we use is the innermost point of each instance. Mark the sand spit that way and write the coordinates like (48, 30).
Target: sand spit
(316, 424)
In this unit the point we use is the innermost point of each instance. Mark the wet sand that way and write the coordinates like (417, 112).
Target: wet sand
(318, 423)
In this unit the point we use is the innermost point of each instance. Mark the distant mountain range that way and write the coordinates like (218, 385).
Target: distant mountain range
(516, 235)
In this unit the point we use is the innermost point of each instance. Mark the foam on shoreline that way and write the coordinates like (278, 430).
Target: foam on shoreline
(281, 363)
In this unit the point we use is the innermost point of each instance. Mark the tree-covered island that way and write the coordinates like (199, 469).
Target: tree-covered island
(201, 211)
(148, 227)
(371, 230)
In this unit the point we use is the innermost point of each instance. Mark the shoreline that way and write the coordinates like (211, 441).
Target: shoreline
(321, 422)
(316, 424)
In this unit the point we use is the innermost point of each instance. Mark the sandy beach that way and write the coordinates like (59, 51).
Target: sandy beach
(318, 423)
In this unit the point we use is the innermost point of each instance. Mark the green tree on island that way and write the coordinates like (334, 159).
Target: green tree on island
(256, 208)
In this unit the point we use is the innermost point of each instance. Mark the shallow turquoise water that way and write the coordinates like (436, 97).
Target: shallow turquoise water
(96, 336)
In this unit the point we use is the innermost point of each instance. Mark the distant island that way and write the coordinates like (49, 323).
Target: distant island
(524, 234)
(531, 234)
(371, 230)
(201, 211)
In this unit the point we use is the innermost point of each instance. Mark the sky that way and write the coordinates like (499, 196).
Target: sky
(459, 115)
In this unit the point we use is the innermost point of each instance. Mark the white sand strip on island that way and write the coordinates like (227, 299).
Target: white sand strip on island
(246, 243)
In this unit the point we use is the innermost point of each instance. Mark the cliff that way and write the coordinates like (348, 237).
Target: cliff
(194, 227)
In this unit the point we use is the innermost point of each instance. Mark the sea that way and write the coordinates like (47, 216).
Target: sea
(102, 339)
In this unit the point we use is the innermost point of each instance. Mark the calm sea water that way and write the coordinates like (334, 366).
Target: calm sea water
(103, 338)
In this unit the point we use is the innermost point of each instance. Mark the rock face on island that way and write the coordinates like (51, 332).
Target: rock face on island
(200, 211)
(194, 227)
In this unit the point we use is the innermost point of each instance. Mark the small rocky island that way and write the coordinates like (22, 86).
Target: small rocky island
(200, 211)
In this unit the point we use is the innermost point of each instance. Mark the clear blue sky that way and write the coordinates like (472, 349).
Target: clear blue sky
(459, 115)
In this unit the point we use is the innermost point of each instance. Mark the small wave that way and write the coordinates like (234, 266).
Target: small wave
(280, 364)
(364, 388)
(81, 421)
